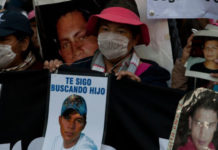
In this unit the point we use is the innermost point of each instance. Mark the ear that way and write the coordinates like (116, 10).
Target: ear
(84, 125)
(60, 52)
(190, 122)
(59, 120)
(25, 43)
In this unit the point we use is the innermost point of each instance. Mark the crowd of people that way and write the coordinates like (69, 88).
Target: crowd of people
(105, 42)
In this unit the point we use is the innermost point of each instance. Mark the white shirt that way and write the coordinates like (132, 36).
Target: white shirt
(84, 143)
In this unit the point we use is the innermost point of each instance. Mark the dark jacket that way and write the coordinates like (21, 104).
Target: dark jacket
(154, 75)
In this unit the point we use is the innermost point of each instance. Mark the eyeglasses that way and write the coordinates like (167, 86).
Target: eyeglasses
(214, 48)
(208, 125)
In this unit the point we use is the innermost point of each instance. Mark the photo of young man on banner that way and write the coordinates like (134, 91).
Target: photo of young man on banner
(195, 123)
(62, 29)
(77, 110)
(72, 121)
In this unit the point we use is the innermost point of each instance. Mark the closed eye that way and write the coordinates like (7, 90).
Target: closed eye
(121, 31)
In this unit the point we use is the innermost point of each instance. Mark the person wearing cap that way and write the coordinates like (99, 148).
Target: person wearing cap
(16, 50)
(209, 41)
(72, 121)
(118, 30)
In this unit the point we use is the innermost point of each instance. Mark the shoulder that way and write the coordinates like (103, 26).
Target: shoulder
(154, 66)
(37, 65)
(82, 64)
(86, 60)
(57, 143)
(155, 74)
(85, 143)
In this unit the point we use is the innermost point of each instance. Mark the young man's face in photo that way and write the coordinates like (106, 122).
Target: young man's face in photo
(71, 126)
(210, 50)
(74, 44)
(202, 126)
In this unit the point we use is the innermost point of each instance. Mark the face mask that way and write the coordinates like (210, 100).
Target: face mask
(112, 45)
(6, 55)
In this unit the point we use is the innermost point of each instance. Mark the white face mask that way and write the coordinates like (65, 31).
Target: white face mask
(112, 45)
(6, 55)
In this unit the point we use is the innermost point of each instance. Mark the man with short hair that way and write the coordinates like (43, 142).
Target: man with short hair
(16, 50)
(72, 40)
(71, 32)
(72, 121)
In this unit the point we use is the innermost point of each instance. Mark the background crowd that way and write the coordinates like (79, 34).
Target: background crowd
(103, 40)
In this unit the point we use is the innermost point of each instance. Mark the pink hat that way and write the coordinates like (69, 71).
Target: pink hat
(31, 15)
(119, 15)
(213, 21)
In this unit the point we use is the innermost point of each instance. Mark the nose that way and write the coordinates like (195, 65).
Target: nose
(203, 132)
(71, 124)
(210, 50)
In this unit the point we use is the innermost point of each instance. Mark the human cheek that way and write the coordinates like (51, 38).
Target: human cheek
(67, 56)
(79, 125)
(194, 133)
(63, 128)
(90, 45)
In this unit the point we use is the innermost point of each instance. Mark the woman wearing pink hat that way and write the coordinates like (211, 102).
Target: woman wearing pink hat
(118, 30)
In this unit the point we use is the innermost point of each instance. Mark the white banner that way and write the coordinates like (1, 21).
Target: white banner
(159, 49)
(45, 2)
(182, 9)
(2, 4)
(82, 128)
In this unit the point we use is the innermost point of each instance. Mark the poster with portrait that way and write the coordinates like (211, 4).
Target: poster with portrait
(76, 115)
(62, 22)
(195, 122)
(204, 54)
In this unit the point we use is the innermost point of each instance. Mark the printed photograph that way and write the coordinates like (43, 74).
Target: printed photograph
(76, 115)
(204, 54)
(62, 28)
(195, 124)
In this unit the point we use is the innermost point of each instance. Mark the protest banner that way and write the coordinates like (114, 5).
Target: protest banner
(23, 105)
(195, 122)
(86, 97)
(2, 3)
(130, 120)
(157, 9)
